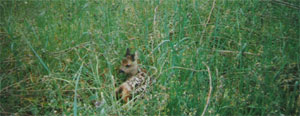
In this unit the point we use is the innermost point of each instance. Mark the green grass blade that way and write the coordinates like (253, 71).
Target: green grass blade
(77, 76)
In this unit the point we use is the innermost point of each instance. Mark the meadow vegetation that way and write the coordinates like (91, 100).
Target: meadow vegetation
(62, 57)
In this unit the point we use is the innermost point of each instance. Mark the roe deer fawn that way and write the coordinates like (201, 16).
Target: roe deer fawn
(138, 80)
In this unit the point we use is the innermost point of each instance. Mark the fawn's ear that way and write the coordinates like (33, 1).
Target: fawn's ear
(127, 52)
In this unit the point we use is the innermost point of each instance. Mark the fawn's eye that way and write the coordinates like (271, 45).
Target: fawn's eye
(127, 65)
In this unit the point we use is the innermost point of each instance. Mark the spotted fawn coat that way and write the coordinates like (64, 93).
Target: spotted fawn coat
(138, 80)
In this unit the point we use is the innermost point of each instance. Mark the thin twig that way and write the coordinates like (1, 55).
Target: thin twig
(154, 17)
(67, 90)
(231, 52)
(72, 48)
(154, 29)
(13, 84)
(210, 89)
(208, 20)
(286, 4)
(236, 52)
(177, 67)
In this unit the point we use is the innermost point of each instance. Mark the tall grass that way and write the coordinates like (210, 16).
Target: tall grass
(62, 57)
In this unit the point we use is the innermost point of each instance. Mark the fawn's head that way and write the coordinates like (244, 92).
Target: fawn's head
(129, 65)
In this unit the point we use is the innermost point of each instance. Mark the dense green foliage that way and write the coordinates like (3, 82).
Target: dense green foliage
(62, 57)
